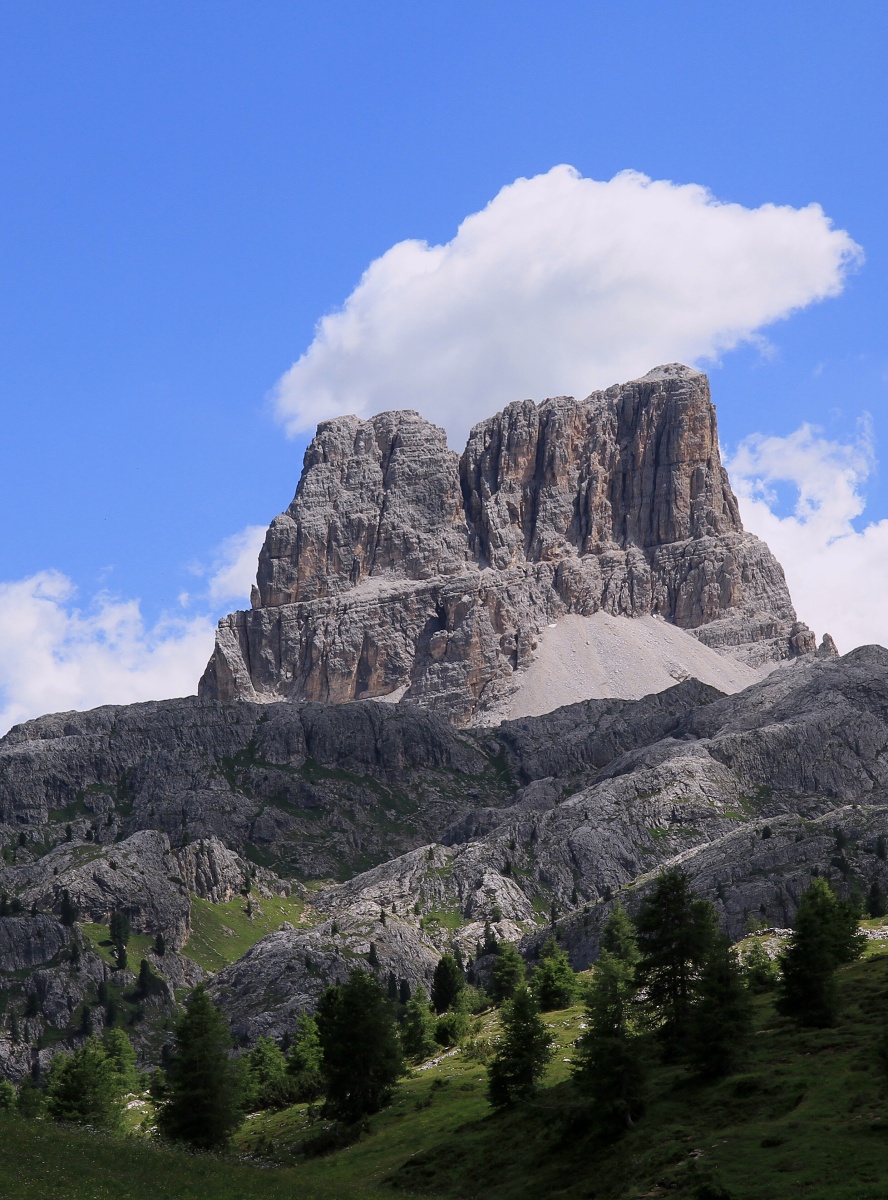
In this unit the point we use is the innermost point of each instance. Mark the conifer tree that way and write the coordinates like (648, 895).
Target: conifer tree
(119, 931)
(7, 1096)
(453, 1025)
(760, 971)
(675, 932)
(509, 973)
(825, 936)
(267, 1082)
(305, 1060)
(148, 982)
(554, 980)
(361, 1050)
(490, 945)
(30, 1101)
(447, 982)
(122, 1056)
(875, 901)
(84, 1087)
(202, 1105)
(522, 1053)
(418, 1028)
(722, 1018)
(119, 928)
(618, 936)
(68, 909)
(609, 1065)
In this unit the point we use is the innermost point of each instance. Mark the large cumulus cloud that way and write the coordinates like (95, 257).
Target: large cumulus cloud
(560, 285)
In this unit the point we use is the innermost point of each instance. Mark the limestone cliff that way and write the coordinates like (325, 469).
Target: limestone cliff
(401, 570)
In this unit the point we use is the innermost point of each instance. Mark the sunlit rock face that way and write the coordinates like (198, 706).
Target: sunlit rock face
(402, 571)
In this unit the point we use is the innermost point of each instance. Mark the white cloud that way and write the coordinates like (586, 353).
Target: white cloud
(56, 655)
(561, 285)
(234, 567)
(837, 574)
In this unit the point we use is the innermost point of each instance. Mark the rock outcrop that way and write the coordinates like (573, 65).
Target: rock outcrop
(752, 795)
(402, 571)
(434, 830)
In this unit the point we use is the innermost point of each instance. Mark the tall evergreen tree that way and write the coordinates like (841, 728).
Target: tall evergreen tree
(453, 1025)
(7, 1096)
(490, 944)
(305, 1060)
(759, 969)
(609, 1065)
(148, 983)
(267, 1082)
(509, 973)
(554, 980)
(418, 1028)
(675, 932)
(122, 1056)
(362, 1053)
(722, 1018)
(202, 1105)
(30, 1101)
(447, 982)
(825, 935)
(119, 928)
(875, 901)
(522, 1052)
(67, 909)
(618, 936)
(84, 1087)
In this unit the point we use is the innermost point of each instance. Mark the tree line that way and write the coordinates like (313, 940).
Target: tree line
(666, 985)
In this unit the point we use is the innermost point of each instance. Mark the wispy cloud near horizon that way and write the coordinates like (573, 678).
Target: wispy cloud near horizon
(59, 653)
(837, 573)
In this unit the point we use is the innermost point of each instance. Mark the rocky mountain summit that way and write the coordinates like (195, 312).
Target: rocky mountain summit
(405, 572)
(275, 846)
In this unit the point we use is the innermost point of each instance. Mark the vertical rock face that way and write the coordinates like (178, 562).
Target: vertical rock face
(377, 498)
(401, 571)
(633, 466)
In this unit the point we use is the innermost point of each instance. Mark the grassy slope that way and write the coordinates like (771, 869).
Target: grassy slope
(40, 1161)
(806, 1118)
(98, 938)
(222, 933)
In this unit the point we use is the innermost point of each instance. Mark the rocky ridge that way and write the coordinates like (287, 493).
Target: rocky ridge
(402, 571)
(742, 792)
(540, 819)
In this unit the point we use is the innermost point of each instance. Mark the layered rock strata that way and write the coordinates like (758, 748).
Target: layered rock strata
(402, 571)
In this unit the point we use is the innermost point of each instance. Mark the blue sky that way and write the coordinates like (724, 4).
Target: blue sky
(186, 189)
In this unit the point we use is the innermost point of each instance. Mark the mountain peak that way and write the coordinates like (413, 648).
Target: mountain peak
(402, 571)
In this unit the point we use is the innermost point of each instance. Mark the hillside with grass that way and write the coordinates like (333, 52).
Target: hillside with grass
(805, 1115)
